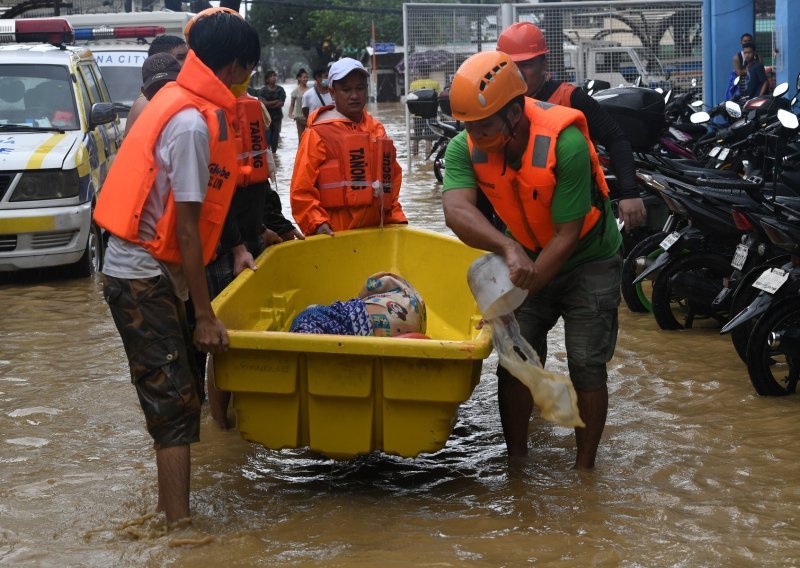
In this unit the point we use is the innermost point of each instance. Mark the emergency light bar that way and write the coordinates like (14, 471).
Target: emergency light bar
(56, 31)
(122, 32)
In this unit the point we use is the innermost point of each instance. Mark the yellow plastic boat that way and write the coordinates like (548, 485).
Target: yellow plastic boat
(345, 396)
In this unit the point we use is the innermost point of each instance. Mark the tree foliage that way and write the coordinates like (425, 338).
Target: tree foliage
(306, 27)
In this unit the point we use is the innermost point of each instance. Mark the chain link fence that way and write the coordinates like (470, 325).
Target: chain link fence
(661, 42)
(438, 38)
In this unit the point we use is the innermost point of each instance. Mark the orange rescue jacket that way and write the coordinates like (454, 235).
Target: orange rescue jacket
(345, 174)
(522, 198)
(131, 178)
(562, 94)
(251, 136)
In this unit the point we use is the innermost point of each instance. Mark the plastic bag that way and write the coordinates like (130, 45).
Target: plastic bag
(553, 394)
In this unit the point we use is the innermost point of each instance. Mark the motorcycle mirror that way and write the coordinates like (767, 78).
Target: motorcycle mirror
(733, 109)
(699, 117)
(788, 119)
(780, 90)
(696, 104)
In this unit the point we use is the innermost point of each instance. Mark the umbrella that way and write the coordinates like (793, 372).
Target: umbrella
(419, 59)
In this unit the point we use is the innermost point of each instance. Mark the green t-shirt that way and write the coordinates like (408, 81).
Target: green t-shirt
(572, 197)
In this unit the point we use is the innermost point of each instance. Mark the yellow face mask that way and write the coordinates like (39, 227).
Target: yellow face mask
(239, 89)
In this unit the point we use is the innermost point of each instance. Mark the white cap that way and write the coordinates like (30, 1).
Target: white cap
(342, 68)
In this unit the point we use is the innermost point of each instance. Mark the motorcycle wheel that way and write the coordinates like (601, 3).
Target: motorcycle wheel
(742, 296)
(637, 296)
(774, 370)
(438, 164)
(671, 308)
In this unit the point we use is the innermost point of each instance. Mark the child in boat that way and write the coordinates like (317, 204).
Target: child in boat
(387, 306)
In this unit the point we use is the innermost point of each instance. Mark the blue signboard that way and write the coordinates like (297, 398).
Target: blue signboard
(384, 47)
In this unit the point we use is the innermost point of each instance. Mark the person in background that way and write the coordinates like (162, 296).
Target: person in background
(739, 70)
(157, 71)
(526, 45)
(755, 83)
(346, 174)
(318, 96)
(273, 96)
(170, 44)
(536, 164)
(161, 204)
(296, 104)
(253, 223)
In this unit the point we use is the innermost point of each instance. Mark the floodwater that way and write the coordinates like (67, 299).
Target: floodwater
(694, 468)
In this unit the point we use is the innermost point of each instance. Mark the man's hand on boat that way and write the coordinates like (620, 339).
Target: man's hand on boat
(210, 335)
(324, 229)
(242, 258)
(293, 235)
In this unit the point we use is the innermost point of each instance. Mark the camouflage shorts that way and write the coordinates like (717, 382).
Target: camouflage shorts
(152, 324)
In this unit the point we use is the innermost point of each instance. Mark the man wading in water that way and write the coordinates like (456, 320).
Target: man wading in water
(536, 165)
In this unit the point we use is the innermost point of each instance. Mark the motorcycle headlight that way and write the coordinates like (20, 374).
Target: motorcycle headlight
(39, 186)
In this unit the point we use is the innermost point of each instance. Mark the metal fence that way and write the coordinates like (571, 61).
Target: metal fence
(661, 42)
(438, 38)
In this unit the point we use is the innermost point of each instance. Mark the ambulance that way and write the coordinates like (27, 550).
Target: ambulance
(119, 42)
(59, 133)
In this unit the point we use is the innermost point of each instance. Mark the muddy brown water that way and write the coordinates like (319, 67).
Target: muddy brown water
(694, 469)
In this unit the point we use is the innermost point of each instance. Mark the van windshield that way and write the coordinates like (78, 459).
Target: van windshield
(40, 96)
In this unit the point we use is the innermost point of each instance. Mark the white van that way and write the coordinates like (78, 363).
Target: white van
(119, 42)
(59, 134)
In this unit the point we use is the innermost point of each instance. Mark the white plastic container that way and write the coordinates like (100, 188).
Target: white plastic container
(489, 282)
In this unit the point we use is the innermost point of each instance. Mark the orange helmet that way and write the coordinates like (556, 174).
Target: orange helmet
(522, 41)
(203, 14)
(484, 84)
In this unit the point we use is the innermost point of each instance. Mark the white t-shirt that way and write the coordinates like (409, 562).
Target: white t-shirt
(311, 100)
(182, 154)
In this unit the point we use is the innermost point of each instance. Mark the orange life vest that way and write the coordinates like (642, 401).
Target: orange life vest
(251, 136)
(522, 198)
(131, 177)
(562, 95)
(358, 168)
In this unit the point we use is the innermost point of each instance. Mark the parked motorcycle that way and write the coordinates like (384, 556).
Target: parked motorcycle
(434, 107)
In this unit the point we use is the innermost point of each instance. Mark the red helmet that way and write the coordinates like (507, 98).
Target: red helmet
(522, 41)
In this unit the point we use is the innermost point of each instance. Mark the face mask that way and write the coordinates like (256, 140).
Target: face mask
(494, 143)
(324, 83)
(239, 89)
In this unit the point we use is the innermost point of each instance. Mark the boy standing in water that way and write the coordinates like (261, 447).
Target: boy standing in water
(164, 203)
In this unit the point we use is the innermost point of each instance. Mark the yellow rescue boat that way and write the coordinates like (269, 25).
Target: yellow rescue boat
(345, 396)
